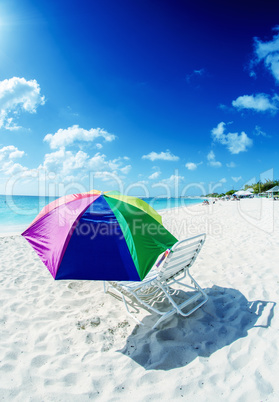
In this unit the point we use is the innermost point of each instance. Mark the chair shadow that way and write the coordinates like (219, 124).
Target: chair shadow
(226, 317)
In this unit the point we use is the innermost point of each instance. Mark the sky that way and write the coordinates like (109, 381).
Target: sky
(148, 97)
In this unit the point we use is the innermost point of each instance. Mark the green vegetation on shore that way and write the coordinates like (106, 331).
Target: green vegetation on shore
(262, 187)
(258, 187)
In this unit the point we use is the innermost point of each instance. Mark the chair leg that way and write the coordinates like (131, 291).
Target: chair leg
(128, 311)
(198, 286)
(175, 307)
(164, 317)
(178, 308)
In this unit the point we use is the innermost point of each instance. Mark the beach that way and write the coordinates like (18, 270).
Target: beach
(69, 341)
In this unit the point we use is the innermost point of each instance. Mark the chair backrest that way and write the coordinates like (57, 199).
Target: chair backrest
(182, 255)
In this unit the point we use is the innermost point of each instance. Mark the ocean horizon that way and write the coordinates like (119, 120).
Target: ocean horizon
(18, 211)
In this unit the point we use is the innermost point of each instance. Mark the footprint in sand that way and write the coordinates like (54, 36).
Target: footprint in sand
(70, 379)
(39, 361)
(7, 367)
(73, 285)
(93, 322)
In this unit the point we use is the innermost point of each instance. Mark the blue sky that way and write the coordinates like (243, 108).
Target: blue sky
(148, 97)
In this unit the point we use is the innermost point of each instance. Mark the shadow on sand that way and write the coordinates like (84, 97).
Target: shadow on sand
(226, 317)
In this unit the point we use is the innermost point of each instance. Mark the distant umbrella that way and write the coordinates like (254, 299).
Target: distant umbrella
(243, 193)
(273, 190)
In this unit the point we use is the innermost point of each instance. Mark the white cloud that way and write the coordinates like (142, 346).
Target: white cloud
(215, 164)
(231, 165)
(99, 162)
(10, 168)
(268, 53)
(7, 164)
(192, 165)
(236, 179)
(18, 95)
(201, 71)
(126, 169)
(172, 180)
(165, 156)
(258, 102)
(238, 142)
(218, 133)
(224, 107)
(235, 142)
(211, 160)
(259, 132)
(195, 74)
(224, 180)
(10, 152)
(11, 125)
(143, 182)
(64, 162)
(211, 156)
(154, 175)
(68, 136)
(65, 165)
(105, 176)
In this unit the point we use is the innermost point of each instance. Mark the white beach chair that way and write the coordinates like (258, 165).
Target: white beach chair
(154, 290)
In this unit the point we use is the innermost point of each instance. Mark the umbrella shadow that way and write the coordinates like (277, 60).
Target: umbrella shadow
(226, 317)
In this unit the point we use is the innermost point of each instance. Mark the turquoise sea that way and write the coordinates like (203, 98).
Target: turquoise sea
(18, 211)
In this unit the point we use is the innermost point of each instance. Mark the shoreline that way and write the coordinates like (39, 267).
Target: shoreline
(13, 231)
(16, 230)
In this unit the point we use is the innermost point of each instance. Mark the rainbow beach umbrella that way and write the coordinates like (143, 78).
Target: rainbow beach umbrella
(99, 236)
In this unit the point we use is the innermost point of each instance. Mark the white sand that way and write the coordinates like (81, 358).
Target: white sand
(68, 341)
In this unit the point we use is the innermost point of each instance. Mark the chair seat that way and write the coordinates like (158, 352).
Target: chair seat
(173, 270)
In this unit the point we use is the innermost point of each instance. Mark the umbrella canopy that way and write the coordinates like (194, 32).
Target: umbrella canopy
(99, 236)
(273, 190)
(243, 193)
